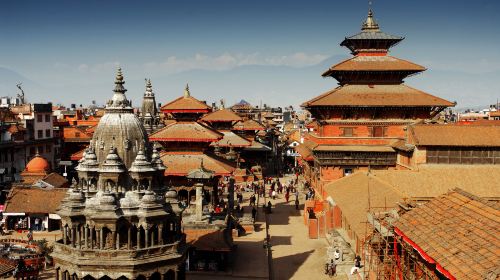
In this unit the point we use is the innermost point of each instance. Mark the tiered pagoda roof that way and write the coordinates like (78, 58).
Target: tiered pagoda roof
(186, 104)
(180, 164)
(231, 139)
(186, 132)
(248, 125)
(373, 78)
(223, 115)
(377, 95)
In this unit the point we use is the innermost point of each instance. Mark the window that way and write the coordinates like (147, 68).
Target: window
(47, 133)
(47, 118)
(32, 151)
(48, 148)
(40, 133)
(39, 118)
(347, 131)
(347, 171)
(77, 134)
(377, 131)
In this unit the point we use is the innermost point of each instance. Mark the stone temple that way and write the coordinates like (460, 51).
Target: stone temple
(117, 220)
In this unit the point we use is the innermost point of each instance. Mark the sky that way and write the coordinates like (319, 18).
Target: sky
(262, 51)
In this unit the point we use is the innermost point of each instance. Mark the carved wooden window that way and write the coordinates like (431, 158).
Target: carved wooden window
(377, 131)
(347, 131)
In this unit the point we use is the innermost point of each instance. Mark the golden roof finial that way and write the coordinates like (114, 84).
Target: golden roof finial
(186, 91)
(370, 24)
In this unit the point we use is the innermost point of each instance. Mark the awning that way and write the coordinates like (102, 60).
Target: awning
(54, 217)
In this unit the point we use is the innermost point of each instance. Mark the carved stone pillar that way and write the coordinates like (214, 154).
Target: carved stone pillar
(73, 236)
(138, 238)
(117, 240)
(101, 239)
(92, 230)
(146, 237)
(79, 238)
(129, 238)
(86, 236)
(160, 235)
(65, 235)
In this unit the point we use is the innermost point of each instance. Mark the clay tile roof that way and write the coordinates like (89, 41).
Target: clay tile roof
(78, 155)
(185, 104)
(182, 164)
(377, 95)
(456, 135)
(231, 139)
(207, 239)
(304, 152)
(56, 180)
(34, 200)
(248, 125)
(354, 148)
(466, 236)
(186, 132)
(374, 63)
(224, 115)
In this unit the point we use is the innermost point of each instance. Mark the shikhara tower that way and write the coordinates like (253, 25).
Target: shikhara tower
(116, 223)
(150, 116)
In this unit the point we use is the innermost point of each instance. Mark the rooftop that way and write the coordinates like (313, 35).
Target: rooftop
(185, 104)
(459, 231)
(455, 135)
(231, 139)
(224, 115)
(377, 95)
(374, 63)
(181, 164)
(186, 132)
(34, 200)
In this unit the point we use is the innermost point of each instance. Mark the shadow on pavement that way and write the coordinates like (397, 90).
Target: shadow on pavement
(285, 267)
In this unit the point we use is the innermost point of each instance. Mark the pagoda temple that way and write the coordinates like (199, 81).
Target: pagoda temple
(186, 145)
(357, 123)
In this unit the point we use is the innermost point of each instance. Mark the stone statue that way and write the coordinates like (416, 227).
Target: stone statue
(20, 95)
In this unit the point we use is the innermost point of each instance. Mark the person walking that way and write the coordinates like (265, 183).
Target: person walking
(287, 196)
(296, 203)
(273, 194)
(254, 213)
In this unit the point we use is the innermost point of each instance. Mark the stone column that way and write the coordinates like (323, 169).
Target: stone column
(160, 235)
(138, 238)
(57, 273)
(152, 238)
(199, 201)
(117, 240)
(65, 235)
(91, 237)
(86, 236)
(146, 237)
(101, 239)
(129, 238)
(73, 236)
(79, 238)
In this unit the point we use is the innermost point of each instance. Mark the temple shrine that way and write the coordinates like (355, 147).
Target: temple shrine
(357, 123)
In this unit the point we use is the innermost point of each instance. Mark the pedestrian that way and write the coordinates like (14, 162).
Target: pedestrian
(252, 200)
(254, 213)
(333, 268)
(269, 205)
(287, 196)
(273, 194)
(297, 203)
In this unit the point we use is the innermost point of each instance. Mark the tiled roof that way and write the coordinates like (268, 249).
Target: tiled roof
(387, 187)
(374, 63)
(458, 231)
(34, 200)
(185, 104)
(304, 152)
(224, 115)
(257, 146)
(455, 135)
(78, 155)
(186, 132)
(56, 180)
(248, 125)
(370, 35)
(376, 95)
(231, 139)
(207, 239)
(181, 164)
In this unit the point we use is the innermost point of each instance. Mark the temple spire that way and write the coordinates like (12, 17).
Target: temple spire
(186, 91)
(370, 24)
(149, 88)
(119, 82)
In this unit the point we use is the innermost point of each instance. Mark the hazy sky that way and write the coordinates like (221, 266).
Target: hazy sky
(67, 51)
